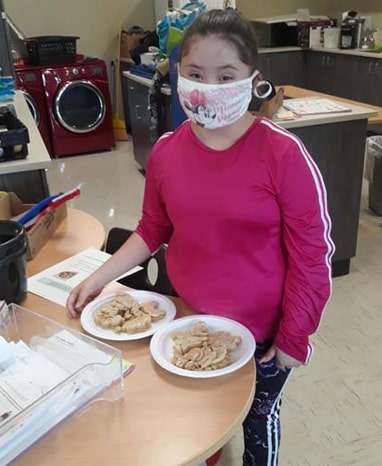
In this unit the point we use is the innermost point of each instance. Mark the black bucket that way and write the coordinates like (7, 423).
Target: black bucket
(13, 277)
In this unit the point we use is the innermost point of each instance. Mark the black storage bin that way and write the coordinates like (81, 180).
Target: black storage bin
(13, 276)
(51, 50)
(14, 137)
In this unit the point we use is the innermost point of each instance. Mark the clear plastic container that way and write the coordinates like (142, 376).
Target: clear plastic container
(89, 371)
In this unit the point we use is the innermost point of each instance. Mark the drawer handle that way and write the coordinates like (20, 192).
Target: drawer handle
(137, 112)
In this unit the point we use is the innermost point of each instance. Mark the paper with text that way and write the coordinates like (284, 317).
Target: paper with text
(56, 282)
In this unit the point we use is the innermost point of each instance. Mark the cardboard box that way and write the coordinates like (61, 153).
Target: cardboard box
(39, 234)
(128, 42)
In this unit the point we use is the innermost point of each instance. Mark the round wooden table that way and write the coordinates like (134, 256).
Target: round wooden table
(163, 419)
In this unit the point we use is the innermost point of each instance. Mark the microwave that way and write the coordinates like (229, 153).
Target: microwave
(277, 31)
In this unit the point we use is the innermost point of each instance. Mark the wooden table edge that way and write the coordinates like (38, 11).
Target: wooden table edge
(230, 432)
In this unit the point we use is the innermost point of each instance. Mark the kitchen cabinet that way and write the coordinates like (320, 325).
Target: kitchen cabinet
(356, 77)
(321, 72)
(368, 80)
(139, 117)
(350, 76)
(340, 159)
(284, 67)
(346, 78)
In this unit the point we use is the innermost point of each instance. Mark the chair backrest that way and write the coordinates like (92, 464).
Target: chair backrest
(153, 276)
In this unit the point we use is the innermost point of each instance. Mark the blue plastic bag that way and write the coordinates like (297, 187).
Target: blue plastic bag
(171, 27)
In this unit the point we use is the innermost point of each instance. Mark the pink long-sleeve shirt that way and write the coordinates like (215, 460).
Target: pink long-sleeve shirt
(247, 228)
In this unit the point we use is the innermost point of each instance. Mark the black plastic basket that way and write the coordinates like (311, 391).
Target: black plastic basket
(51, 50)
(14, 137)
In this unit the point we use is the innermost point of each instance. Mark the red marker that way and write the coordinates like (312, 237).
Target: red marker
(57, 201)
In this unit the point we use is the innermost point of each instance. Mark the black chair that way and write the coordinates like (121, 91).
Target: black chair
(153, 276)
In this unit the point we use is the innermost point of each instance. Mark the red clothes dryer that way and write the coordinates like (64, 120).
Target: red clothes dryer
(28, 81)
(79, 107)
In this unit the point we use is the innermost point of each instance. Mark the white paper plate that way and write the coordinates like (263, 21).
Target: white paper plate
(161, 345)
(87, 315)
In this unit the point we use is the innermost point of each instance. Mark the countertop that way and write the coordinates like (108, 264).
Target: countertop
(358, 112)
(280, 49)
(357, 52)
(299, 92)
(38, 157)
(165, 89)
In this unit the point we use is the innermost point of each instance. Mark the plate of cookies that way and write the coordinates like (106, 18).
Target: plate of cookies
(130, 315)
(202, 346)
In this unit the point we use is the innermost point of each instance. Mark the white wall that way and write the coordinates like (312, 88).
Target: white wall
(97, 22)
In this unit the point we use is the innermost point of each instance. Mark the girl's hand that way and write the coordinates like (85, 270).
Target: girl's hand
(282, 360)
(80, 296)
(270, 107)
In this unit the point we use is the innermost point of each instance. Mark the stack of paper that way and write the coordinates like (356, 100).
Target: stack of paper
(314, 106)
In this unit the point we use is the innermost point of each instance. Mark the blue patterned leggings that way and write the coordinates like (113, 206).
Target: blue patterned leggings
(262, 425)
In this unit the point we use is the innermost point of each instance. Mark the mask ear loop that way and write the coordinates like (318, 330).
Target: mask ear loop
(269, 93)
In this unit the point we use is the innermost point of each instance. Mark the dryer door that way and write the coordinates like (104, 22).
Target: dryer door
(32, 107)
(79, 106)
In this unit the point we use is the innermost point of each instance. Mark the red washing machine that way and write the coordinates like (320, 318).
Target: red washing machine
(28, 81)
(79, 108)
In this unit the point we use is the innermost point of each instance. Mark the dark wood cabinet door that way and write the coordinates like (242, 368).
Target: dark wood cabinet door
(360, 79)
(373, 82)
(377, 92)
(321, 72)
(353, 79)
(289, 68)
(344, 80)
(340, 159)
(284, 67)
(138, 98)
(350, 76)
(264, 65)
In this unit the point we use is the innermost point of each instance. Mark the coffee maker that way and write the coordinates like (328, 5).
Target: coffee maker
(352, 28)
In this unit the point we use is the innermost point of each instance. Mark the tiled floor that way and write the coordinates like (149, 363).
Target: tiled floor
(332, 411)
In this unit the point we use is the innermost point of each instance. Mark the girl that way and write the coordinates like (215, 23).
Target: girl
(242, 206)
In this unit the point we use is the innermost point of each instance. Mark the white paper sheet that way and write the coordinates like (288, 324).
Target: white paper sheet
(56, 282)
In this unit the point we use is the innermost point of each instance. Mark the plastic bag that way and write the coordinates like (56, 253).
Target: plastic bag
(171, 27)
(373, 151)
